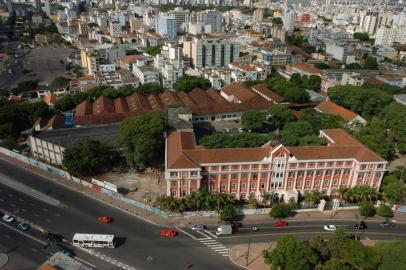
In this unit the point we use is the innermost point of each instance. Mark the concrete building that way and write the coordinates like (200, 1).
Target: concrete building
(182, 17)
(166, 26)
(115, 28)
(49, 145)
(284, 171)
(337, 52)
(208, 51)
(369, 22)
(213, 18)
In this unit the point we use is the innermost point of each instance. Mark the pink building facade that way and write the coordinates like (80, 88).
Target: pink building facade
(286, 172)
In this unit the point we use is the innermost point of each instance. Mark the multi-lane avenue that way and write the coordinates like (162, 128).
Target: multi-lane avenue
(59, 209)
(142, 247)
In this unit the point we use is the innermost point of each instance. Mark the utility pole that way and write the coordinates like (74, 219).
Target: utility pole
(248, 252)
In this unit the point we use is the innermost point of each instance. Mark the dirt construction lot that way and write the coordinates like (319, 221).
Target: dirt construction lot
(143, 187)
(45, 62)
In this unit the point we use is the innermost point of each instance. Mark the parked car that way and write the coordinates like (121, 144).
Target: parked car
(361, 226)
(54, 237)
(387, 224)
(105, 219)
(280, 223)
(8, 218)
(168, 233)
(329, 228)
(24, 226)
(65, 251)
(198, 227)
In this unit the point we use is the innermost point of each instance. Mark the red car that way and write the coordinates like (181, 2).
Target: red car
(105, 219)
(168, 233)
(281, 223)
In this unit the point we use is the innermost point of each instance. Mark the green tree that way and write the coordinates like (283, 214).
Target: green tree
(394, 118)
(24, 86)
(366, 209)
(277, 20)
(187, 83)
(253, 120)
(393, 255)
(228, 213)
(384, 211)
(252, 201)
(65, 103)
(353, 66)
(293, 131)
(320, 120)
(312, 140)
(374, 136)
(279, 115)
(322, 66)
(291, 254)
(235, 140)
(141, 138)
(282, 210)
(371, 63)
(153, 50)
(394, 191)
(149, 88)
(361, 36)
(367, 102)
(60, 81)
(87, 158)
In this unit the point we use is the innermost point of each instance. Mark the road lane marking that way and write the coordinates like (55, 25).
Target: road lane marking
(215, 245)
(207, 240)
(296, 233)
(21, 200)
(186, 233)
(84, 261)
(1, 200)
(33, 249)
(23, 233)
(215, 236)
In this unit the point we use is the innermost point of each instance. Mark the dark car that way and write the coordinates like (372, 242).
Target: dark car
(66, 251)
(54, 237)
(386, 224)
(361, 226)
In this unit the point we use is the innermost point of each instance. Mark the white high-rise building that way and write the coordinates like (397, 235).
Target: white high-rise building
(387, 36)
(166, 26)
(210, 51)
(182, 17)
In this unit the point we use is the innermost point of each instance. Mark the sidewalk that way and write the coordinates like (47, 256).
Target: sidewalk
(250, 256)
(186, 221)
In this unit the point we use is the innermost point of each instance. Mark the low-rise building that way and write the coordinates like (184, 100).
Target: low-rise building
(49, 145)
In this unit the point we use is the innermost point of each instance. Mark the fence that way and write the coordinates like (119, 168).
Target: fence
(62, 173)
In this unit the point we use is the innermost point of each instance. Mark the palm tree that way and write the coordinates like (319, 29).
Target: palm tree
(342, 193)
(308, 197)
(266, 198)
(316, 196)
(252, 201)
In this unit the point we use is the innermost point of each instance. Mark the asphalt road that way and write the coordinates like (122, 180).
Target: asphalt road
(142, 248)
(23, 252)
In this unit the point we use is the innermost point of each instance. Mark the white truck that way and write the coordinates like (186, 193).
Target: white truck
(224, 230)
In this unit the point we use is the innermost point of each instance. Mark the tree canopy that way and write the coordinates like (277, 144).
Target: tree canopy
(235, 140)
(281, 210)
(279, 115)
(60, 81)
(87, 158)
(141, 138)
(290, 90)
(153, 50)
(24, 86)
(228, 213)
(187, 83)
(366, 102)
(253, 120)
(291, 254)
(371, 63)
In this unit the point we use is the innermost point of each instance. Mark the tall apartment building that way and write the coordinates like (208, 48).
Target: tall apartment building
(208, 51)
(386, 36)
(369, 22)
(90, 60)
(169, 63)
(115, 28)
(213, 18)
(181, 16)
(284, 171)
(166, 26)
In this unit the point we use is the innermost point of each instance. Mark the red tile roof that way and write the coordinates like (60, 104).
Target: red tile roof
(183, 153)
(329, 107)
(50, 99)
(264, 90)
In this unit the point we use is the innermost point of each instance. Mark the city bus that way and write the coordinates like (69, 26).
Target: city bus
(94, 240)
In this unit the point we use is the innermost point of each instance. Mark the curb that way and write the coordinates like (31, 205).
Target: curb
(233, 262)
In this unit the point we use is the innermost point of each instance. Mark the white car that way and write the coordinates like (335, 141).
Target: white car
(329, 228)
(198, 227)
(8, 218)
